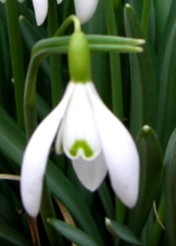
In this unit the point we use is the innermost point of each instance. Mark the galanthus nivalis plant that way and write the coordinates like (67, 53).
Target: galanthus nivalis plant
(92, 193)
(87, 132)
(84, 9)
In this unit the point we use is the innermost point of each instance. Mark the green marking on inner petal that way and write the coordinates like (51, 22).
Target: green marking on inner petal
(84, 146)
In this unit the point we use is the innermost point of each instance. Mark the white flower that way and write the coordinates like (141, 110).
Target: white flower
(84, 9)
(92, 137)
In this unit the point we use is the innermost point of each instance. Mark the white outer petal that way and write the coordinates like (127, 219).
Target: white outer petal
(90, 173)
(41, 9)
(36, 155)
(119, 150)
(79, 123)
(85, 9)
(59, 1)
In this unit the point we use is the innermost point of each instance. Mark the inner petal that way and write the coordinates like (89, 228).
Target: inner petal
(79, 131)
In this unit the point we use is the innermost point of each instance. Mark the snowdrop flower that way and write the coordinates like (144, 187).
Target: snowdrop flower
(84, 9)
(87, 132)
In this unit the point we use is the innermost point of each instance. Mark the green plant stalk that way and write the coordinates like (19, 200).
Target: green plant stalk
(116, 83)
(55, 61)
(71, 19)
(16, 57)
(117, 3)
(30, 88)
(30, 97)
(145, 18)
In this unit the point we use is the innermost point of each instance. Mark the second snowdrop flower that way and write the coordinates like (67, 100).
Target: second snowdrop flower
(84, 9)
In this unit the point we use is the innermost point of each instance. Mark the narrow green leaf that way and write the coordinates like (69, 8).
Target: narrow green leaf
(143, 78)
(12, 139)
(30, 34)
(114, 60)
(150, 177)
(7, 212)
(166, 111)
(72, 233)
(170, 190)
(10, 236)
(167, 9)
(106, 200)
(16, 52)
(137, 5)
(162, 8)
(122, 232)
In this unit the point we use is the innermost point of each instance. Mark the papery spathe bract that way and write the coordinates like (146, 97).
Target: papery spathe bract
(95, 140)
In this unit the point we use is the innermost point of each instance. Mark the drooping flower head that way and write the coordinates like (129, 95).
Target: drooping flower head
(84, 9)
(87, 132)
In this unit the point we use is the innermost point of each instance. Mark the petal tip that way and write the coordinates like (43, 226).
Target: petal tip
(31, 197)
(40, 8)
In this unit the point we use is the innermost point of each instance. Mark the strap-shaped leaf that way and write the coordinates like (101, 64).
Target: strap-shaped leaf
(143, 77)
(72, 233)
(150, 177)
(166, 110)
(170, 190)
(10, 236)
(122, 231)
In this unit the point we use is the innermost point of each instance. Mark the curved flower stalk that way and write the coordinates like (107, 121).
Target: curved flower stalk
(84, 9)
(87, 132)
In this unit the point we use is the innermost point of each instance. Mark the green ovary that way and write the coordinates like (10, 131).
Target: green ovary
(81, 145)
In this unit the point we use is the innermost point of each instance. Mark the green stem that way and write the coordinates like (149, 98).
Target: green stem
(55, 62)
(145, 19)
(71, 19)
(16, 56)
(30, 98)
(116, 83)
(30, 84)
